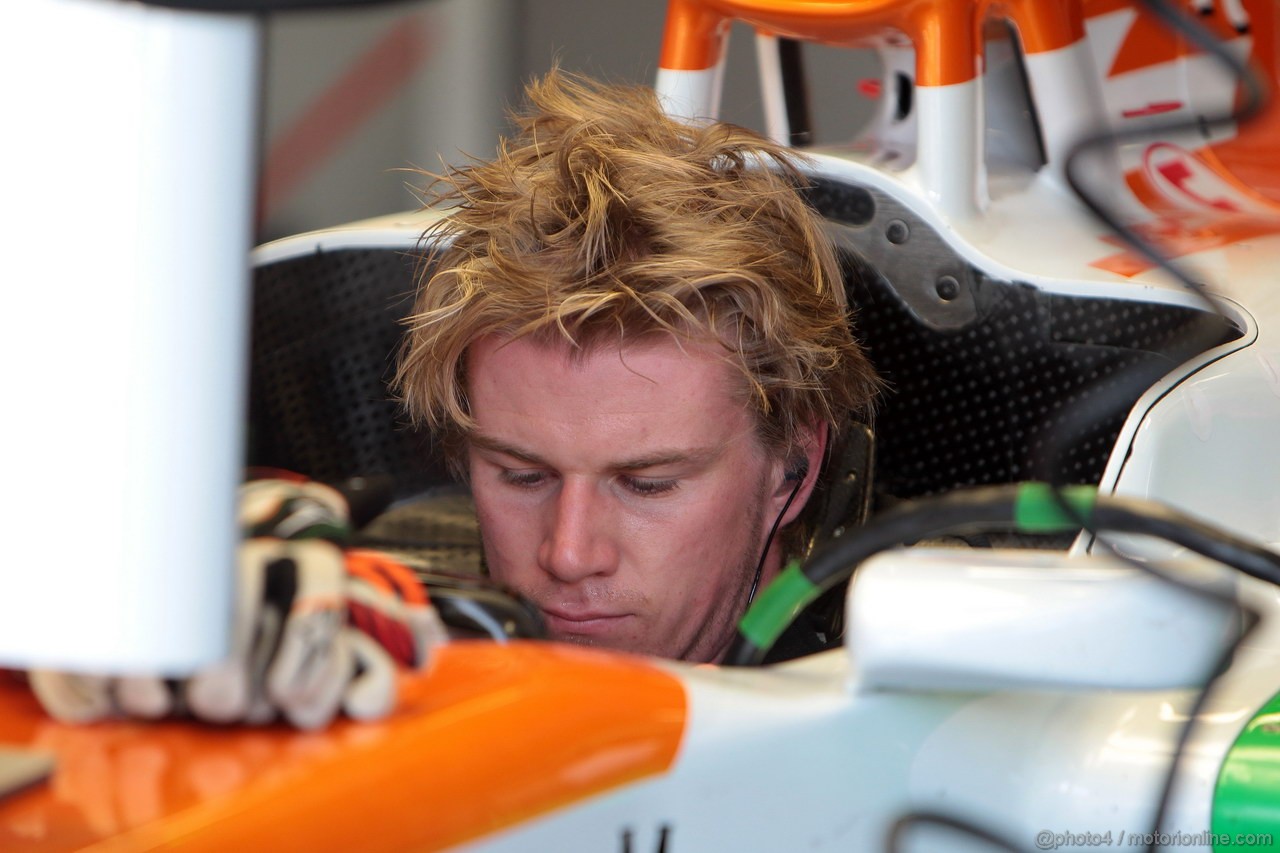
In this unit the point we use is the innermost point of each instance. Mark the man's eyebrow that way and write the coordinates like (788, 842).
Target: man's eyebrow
(696, 455)
(488, 442)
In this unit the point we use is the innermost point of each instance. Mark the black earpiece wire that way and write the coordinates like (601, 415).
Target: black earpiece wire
(799, 473)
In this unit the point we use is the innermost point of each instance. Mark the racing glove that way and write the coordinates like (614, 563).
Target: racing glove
(318, 629)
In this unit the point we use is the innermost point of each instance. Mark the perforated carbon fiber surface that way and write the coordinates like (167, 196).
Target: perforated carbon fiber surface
(325, 333)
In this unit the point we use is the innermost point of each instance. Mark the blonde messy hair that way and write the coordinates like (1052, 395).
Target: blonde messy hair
(603, 217)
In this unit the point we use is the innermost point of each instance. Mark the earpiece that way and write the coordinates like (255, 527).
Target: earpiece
(798, 471)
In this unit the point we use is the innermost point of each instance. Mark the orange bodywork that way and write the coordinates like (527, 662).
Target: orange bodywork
(489, 736)
(1244, 164)
(947, 34)
(1250, 155)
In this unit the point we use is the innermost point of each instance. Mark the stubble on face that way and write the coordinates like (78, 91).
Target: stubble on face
(712, 640)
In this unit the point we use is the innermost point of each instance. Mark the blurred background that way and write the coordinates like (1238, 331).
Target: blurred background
(355, 98)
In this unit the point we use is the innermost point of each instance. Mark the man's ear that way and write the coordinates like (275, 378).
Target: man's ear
(799, 472)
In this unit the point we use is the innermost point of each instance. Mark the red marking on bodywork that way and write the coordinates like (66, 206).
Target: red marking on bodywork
(1153, 108)
(1179, 174)
(870, 87)
(358, 94)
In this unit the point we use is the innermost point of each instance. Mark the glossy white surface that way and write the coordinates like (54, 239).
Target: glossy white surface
(773, 99)
(1065, 82)
(123, 329)
(396, 230)
(1220, 423)
(793, 758)
(691, 94)
(999, 620)
(951, 168)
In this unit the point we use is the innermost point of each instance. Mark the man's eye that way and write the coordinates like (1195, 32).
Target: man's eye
(526, 479)
(648, 488)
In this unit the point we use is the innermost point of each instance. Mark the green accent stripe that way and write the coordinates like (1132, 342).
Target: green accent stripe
(777, 605)
(1247, 796)
(1038, 511)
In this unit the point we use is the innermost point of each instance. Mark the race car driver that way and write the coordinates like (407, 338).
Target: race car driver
(633, 344)
(636, 350)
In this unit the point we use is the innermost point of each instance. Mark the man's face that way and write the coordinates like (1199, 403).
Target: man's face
(625, 492)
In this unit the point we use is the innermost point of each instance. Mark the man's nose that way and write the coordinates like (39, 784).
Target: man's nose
(576, 543)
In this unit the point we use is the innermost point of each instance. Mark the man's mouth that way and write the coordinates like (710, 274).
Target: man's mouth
(563, 621)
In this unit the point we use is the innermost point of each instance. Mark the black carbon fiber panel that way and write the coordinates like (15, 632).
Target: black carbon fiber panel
(325, 333)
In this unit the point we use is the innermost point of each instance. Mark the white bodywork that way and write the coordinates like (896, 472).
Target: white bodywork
(810, 756)
(971, 682)
(123, 348)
